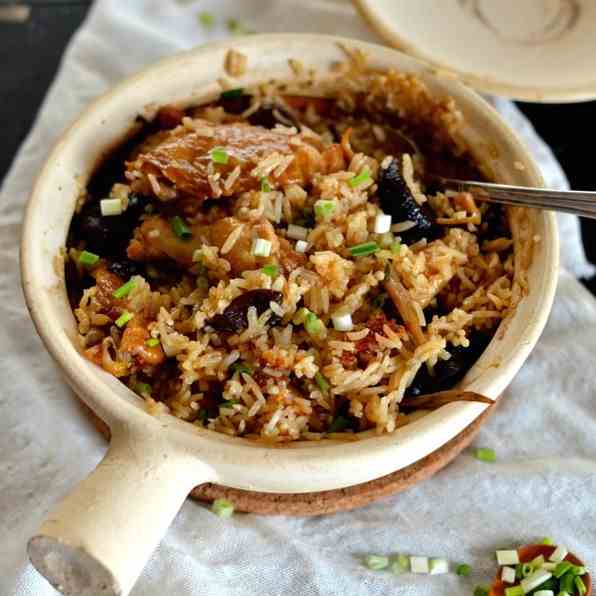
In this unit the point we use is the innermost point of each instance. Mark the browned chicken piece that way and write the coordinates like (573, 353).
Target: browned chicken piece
(180, 163)
(154, 240)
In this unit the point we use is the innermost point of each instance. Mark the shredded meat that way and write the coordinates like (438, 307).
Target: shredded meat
(366, 348)
(179, 163)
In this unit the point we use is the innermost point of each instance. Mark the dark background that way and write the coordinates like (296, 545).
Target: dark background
(30, 53)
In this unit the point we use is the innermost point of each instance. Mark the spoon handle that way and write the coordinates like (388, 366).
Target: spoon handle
(568, 201)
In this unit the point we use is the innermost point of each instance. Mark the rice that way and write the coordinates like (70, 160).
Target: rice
(246, 342)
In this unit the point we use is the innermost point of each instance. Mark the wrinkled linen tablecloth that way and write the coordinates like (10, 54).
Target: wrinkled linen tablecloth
(544, 482)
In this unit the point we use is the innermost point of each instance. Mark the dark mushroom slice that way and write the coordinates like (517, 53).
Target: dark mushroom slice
(433, 401)
(234, 318)
(397, 200)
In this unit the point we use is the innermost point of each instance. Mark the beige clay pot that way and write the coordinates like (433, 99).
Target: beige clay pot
(100, 537)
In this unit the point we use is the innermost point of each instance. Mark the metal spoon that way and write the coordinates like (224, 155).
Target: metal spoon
(577, 202)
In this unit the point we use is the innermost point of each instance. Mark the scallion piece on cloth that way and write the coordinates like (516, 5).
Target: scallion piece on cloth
(463, 569)
(206, 19)
(261, 247)
(237, 92)
(125, 289)
(363, 177)
(364, 249)
(322, 382)
(400, 564)
(152, 342)
(180, 228)
(143, 388)
(485, 454)
(438, 566)
(88, 259)
(219, 155)
(271, 270)
(110, 207)
(376, 562)
(222, 508)
(124, 318)
(419, 564)
(324, 209)
(548, 541)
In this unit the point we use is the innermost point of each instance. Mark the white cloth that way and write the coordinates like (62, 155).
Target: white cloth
(543, 483)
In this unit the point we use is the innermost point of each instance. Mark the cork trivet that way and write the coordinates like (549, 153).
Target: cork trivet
(332, 501)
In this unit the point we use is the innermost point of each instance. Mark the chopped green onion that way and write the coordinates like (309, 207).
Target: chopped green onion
(342, 322)
(271, 270)
(338, 424)
(514, 591)
(508, 575)
(526, 569)
(152, 343)
(562, 568)
(400, 564)
(363, 177)
(364, 249)
(322, 382)
(313, 325)
(537, 562)
(549, 566)
(396, 248)
(88, 259)
(233, 25)
(581, 587)
(301, 246)
(124, 318)
(567, 583)
(228, 403)
(297, 232)
(324, 209)
(142, 388)
(180, 228)
(548, 541)
(125, 289)
(376, 562)
(558, 554)
(439, 566)
(544, 593)
(534, 580)
(577, 569)
(261, 247)
(486, 455)
(230, 93)
(222, 508)
(507, 557)
(206, 19)
(241, 367)
(110, 207)
(265, 186)
(481, 590)
(518, 571)
(379, 300)
(219, 155)
(463, 569)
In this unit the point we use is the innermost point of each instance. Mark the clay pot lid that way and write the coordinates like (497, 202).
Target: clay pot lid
(535, 50)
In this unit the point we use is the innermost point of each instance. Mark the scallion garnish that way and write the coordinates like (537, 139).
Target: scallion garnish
(514, 591)
(241, 367)
(265, 186)
(110, 207)
(125, 289)
(271, 270)
(338, 424)
(180, 228)
(463, 569)
(324, 209)
(485, 454)
(228, 403)
(313, 325)
(219, 155)
(548, 541)
(261, 247)
(88, 259)
(222, 508)
(322, 382)
(232, 93)
(152, 342)
(363, 177)
(124, 318)
(579, 584)
(143, 388)
(396, 248)
(376, 562)
(364, 249)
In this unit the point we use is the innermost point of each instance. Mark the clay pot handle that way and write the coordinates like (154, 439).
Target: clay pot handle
(98, 539)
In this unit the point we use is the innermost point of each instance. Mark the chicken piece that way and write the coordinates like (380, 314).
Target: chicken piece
(155, 240)
(134, 343)
(180, 162)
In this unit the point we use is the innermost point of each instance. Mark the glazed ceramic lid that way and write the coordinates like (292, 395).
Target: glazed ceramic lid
(535, 50)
